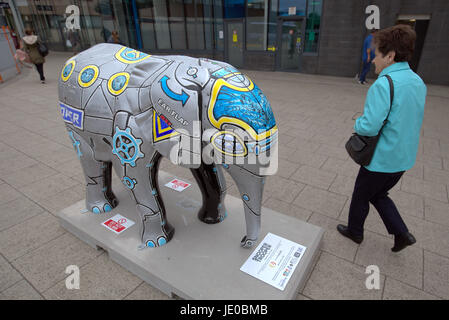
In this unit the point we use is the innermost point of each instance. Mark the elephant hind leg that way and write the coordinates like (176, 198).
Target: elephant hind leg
(155, 230)
(212, 184)
(99, 195)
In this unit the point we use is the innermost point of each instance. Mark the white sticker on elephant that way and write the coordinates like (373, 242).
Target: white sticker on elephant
(274, 260)
(118, 223)
(178, 185)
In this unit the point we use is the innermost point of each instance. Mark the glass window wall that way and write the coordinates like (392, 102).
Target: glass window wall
(314, 10)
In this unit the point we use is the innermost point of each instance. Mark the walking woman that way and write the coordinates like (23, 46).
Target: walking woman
(30, 45)
(398, 143)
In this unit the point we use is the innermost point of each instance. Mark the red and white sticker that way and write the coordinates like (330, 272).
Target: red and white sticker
(178, 185)
(118, 223)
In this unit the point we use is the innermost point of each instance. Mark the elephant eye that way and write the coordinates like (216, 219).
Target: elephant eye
(229, 144)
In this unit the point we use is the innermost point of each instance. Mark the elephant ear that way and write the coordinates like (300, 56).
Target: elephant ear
(252, 107)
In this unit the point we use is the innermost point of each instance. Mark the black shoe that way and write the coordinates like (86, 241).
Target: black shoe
(344, 231)
(403, 240)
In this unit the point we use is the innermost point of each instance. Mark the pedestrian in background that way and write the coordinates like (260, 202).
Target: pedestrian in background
(30, 45)
(398, 143)
(114, 38)
(367, 56)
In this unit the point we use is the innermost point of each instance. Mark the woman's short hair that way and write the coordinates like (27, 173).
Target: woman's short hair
(29, 32)
(400, 39)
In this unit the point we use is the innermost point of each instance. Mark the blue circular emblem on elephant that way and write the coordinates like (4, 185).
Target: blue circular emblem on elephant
(87, 75)
(67, 70)
(126, 147)
(118, 83)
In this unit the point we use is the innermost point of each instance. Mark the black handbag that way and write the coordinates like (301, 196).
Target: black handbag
(42, 48)
(361, 148)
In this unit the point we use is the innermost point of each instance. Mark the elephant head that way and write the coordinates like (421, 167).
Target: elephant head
(242, 136)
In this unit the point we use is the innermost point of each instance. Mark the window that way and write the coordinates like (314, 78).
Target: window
(177, 24)
(313, 25)
(257, 25)
(292, 7)
(161, 24)
(146, 21)
(218, 23)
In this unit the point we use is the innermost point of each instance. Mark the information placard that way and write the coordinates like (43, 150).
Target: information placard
(274, 260)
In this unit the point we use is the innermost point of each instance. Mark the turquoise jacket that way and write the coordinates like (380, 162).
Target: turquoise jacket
(398, 143)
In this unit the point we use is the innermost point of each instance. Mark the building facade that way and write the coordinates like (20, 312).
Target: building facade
(310, 36)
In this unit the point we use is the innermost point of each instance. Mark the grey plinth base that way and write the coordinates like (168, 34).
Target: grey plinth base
(202, 261)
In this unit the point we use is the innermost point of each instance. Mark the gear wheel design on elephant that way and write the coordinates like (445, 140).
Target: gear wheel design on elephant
(126, 147)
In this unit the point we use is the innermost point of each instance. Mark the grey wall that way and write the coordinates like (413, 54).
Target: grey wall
(343, 31)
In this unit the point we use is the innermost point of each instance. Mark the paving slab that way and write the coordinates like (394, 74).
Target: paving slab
(21, 291)
(430, 236)
(437, 212)
(17, 211)
(337, 279)
(46, 266)
(406, 266)
(8, 275)
(432, 190)
(314, 177)
(333, 241)
(287, 208)
(29, 235)
(436, 274)
(146, 292)
(101, 279)
(321, 201)
(396, 290)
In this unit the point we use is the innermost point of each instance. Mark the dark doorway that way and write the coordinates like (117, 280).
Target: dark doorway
(420, 27)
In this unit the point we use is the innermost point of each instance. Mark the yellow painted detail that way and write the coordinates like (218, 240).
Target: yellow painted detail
(119, 57)
(71, 71)
(111, 79)
(157, 127)
(88, 84)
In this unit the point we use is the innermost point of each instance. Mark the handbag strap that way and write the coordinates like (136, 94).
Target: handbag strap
(390, 81)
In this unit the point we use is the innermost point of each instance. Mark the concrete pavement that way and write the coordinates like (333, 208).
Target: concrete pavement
(40, 174)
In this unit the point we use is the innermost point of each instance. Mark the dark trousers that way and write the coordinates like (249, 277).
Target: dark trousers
(40, 69)
(373, 187)
(365, 70)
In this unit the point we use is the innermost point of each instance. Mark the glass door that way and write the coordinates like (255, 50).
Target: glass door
(290, 41)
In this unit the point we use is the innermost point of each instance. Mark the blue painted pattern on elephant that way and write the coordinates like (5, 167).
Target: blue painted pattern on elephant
(87, 75)
(251, 107)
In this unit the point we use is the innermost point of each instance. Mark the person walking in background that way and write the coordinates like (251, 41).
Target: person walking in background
(367, 56)
(30, 45)
(114, 37)
(398, 143)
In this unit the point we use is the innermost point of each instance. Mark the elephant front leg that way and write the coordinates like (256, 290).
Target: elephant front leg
(99, 195)
(212, 184)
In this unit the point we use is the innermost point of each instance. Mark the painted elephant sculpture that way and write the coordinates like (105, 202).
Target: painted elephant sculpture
(127, 109)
